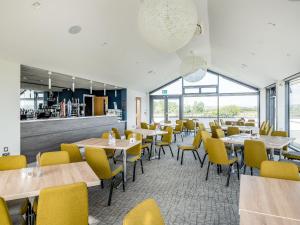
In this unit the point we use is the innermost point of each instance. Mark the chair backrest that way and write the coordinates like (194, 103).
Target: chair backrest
(270, 130)
(4, 214)
(241, 123)
(145, 213)
(197, 140)
(201, 127)
(262, 126)
(63, 205)
(179, 126)
(73, 150)
(144, 125)
(190, 125)
(12, 162)
(250, 124)
(217, 122)
(54, 158)
(216, 150)
(279, 170)
(212, 124)
(214, 130)
(251, 121)
(204, 136)
(168, 137)
(233, 131)
(220, 133)
(105, 135)
(228, 122)
(97, 159)
(278, 133)
(255, 153)
(127, 133)
(153, 126)
(137, 149)
(116, 132)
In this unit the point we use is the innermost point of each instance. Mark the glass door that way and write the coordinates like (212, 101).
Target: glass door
(158, 110)
(173, 109)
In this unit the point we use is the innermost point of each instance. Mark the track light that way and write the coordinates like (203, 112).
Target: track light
(49, 81)
(73, 84)
(91, 87)
(104, 89)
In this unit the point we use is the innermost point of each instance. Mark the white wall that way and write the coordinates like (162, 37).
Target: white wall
(131, 107)
(10, 107)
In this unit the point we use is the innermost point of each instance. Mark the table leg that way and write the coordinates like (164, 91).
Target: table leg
(124, 164)
(155, 156)
(272, 153)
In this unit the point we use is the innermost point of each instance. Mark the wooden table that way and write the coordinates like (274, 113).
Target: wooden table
(104, 143)
(275, 201)
(151, 133)
(271, 142)
(17, 184)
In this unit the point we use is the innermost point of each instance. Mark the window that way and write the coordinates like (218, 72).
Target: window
(228, 86)
(271, 106)
(294, 111)
(30, 100)
(174, 88)
(208, 79)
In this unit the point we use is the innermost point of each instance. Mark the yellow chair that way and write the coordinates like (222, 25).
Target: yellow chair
(279, 170)
(220, 133)
(110, 153)
(116, 132)
(233, 131)
(190, 126)
(127, 132)
(166, 141)
(178, 130)
(74, 152)
(251, 121)
(250, 124)
(135, 153)
(16, 208)
(217, 154)
(270, 130)
(6, 218)
(204, 136)
(97, 159)
(144, 125)
(213, 129)
(228, 123)
(54, 158)
(217, 122)
(193, 148)
(202, 127)
(145, 213)
(254, 154)
(63, 205)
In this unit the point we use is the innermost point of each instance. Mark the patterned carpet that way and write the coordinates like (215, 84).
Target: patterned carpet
(185, 198)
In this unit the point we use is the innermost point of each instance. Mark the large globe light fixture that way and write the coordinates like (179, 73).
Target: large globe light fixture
(193, 68)
(168, 25)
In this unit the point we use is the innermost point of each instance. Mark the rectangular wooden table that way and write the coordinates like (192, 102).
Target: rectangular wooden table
(104, 143)
(275, 201)
(271, 142)
(151, 133)
(17, 184)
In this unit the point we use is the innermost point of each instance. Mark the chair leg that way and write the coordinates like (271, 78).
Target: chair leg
(245, 167)
(229, 173)
(162, 147)
(159, 152)
(123, 181)
(178, 154)
(142, 166)
(181, 137)
(115, 162)
(218, 169)
(204, 159)
(182, 157)
(171, 151)
(194, 155)
(207, 170)
(251, 170)
(111, 191)
(201, 163)
(102, 184)
(238, 170)
(134, 166)
(175, 138)
(150, 153)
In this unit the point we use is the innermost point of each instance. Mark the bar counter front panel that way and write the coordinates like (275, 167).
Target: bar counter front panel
(47, 135)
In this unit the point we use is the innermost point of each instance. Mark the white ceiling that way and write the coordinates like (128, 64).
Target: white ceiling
(110, 49)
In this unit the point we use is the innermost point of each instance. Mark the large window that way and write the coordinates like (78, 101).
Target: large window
(213, 97)
(294, 111)
(271, 106)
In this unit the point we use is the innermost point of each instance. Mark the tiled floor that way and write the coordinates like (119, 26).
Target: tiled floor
(182, 193)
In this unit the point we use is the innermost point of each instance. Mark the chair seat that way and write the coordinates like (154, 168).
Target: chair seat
(148, 140)
(291, 161)
(133, 158)
(162, 143)
(17, 207)
(187, 148)
(117, 171)
(176, 132)
(233, 160)
(292, 155)
(147, 145)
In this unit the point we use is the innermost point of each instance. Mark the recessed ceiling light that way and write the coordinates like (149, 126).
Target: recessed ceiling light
(104, 43)
(36, 5)
(150, 71)
(74, 29)
(244, 65)
(272, 24)
(252, 53)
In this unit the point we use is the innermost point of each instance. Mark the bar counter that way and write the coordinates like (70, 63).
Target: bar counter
(47, 134)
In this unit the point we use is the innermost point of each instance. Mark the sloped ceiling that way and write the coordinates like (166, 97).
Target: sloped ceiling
(253, 41)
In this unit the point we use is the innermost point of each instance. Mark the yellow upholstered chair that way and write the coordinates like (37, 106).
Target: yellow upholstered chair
(54, 158)
(262, 126)
(213, 129)
(250, 124)
(270, 130)
(116, 132)
(204, 136)
(166, 141)
(63, 205)
(190, 126)
(202, 127)
(254, 154)
(6, 218)
(233, 131)
(279, 170)
(217, 154)
(110, 153)
(145, 213)
(135, 153)
(97, 159)
(144, 125)
(212, 123)
(73, 150)
(220, 133)
(178, 130)
(228, 123)
(251, 121)
(16, 208)
(193, 148)
(127, 133)
(217, 122)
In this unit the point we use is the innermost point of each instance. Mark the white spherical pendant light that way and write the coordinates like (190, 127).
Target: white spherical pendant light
(193, 68)
(168, 25)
